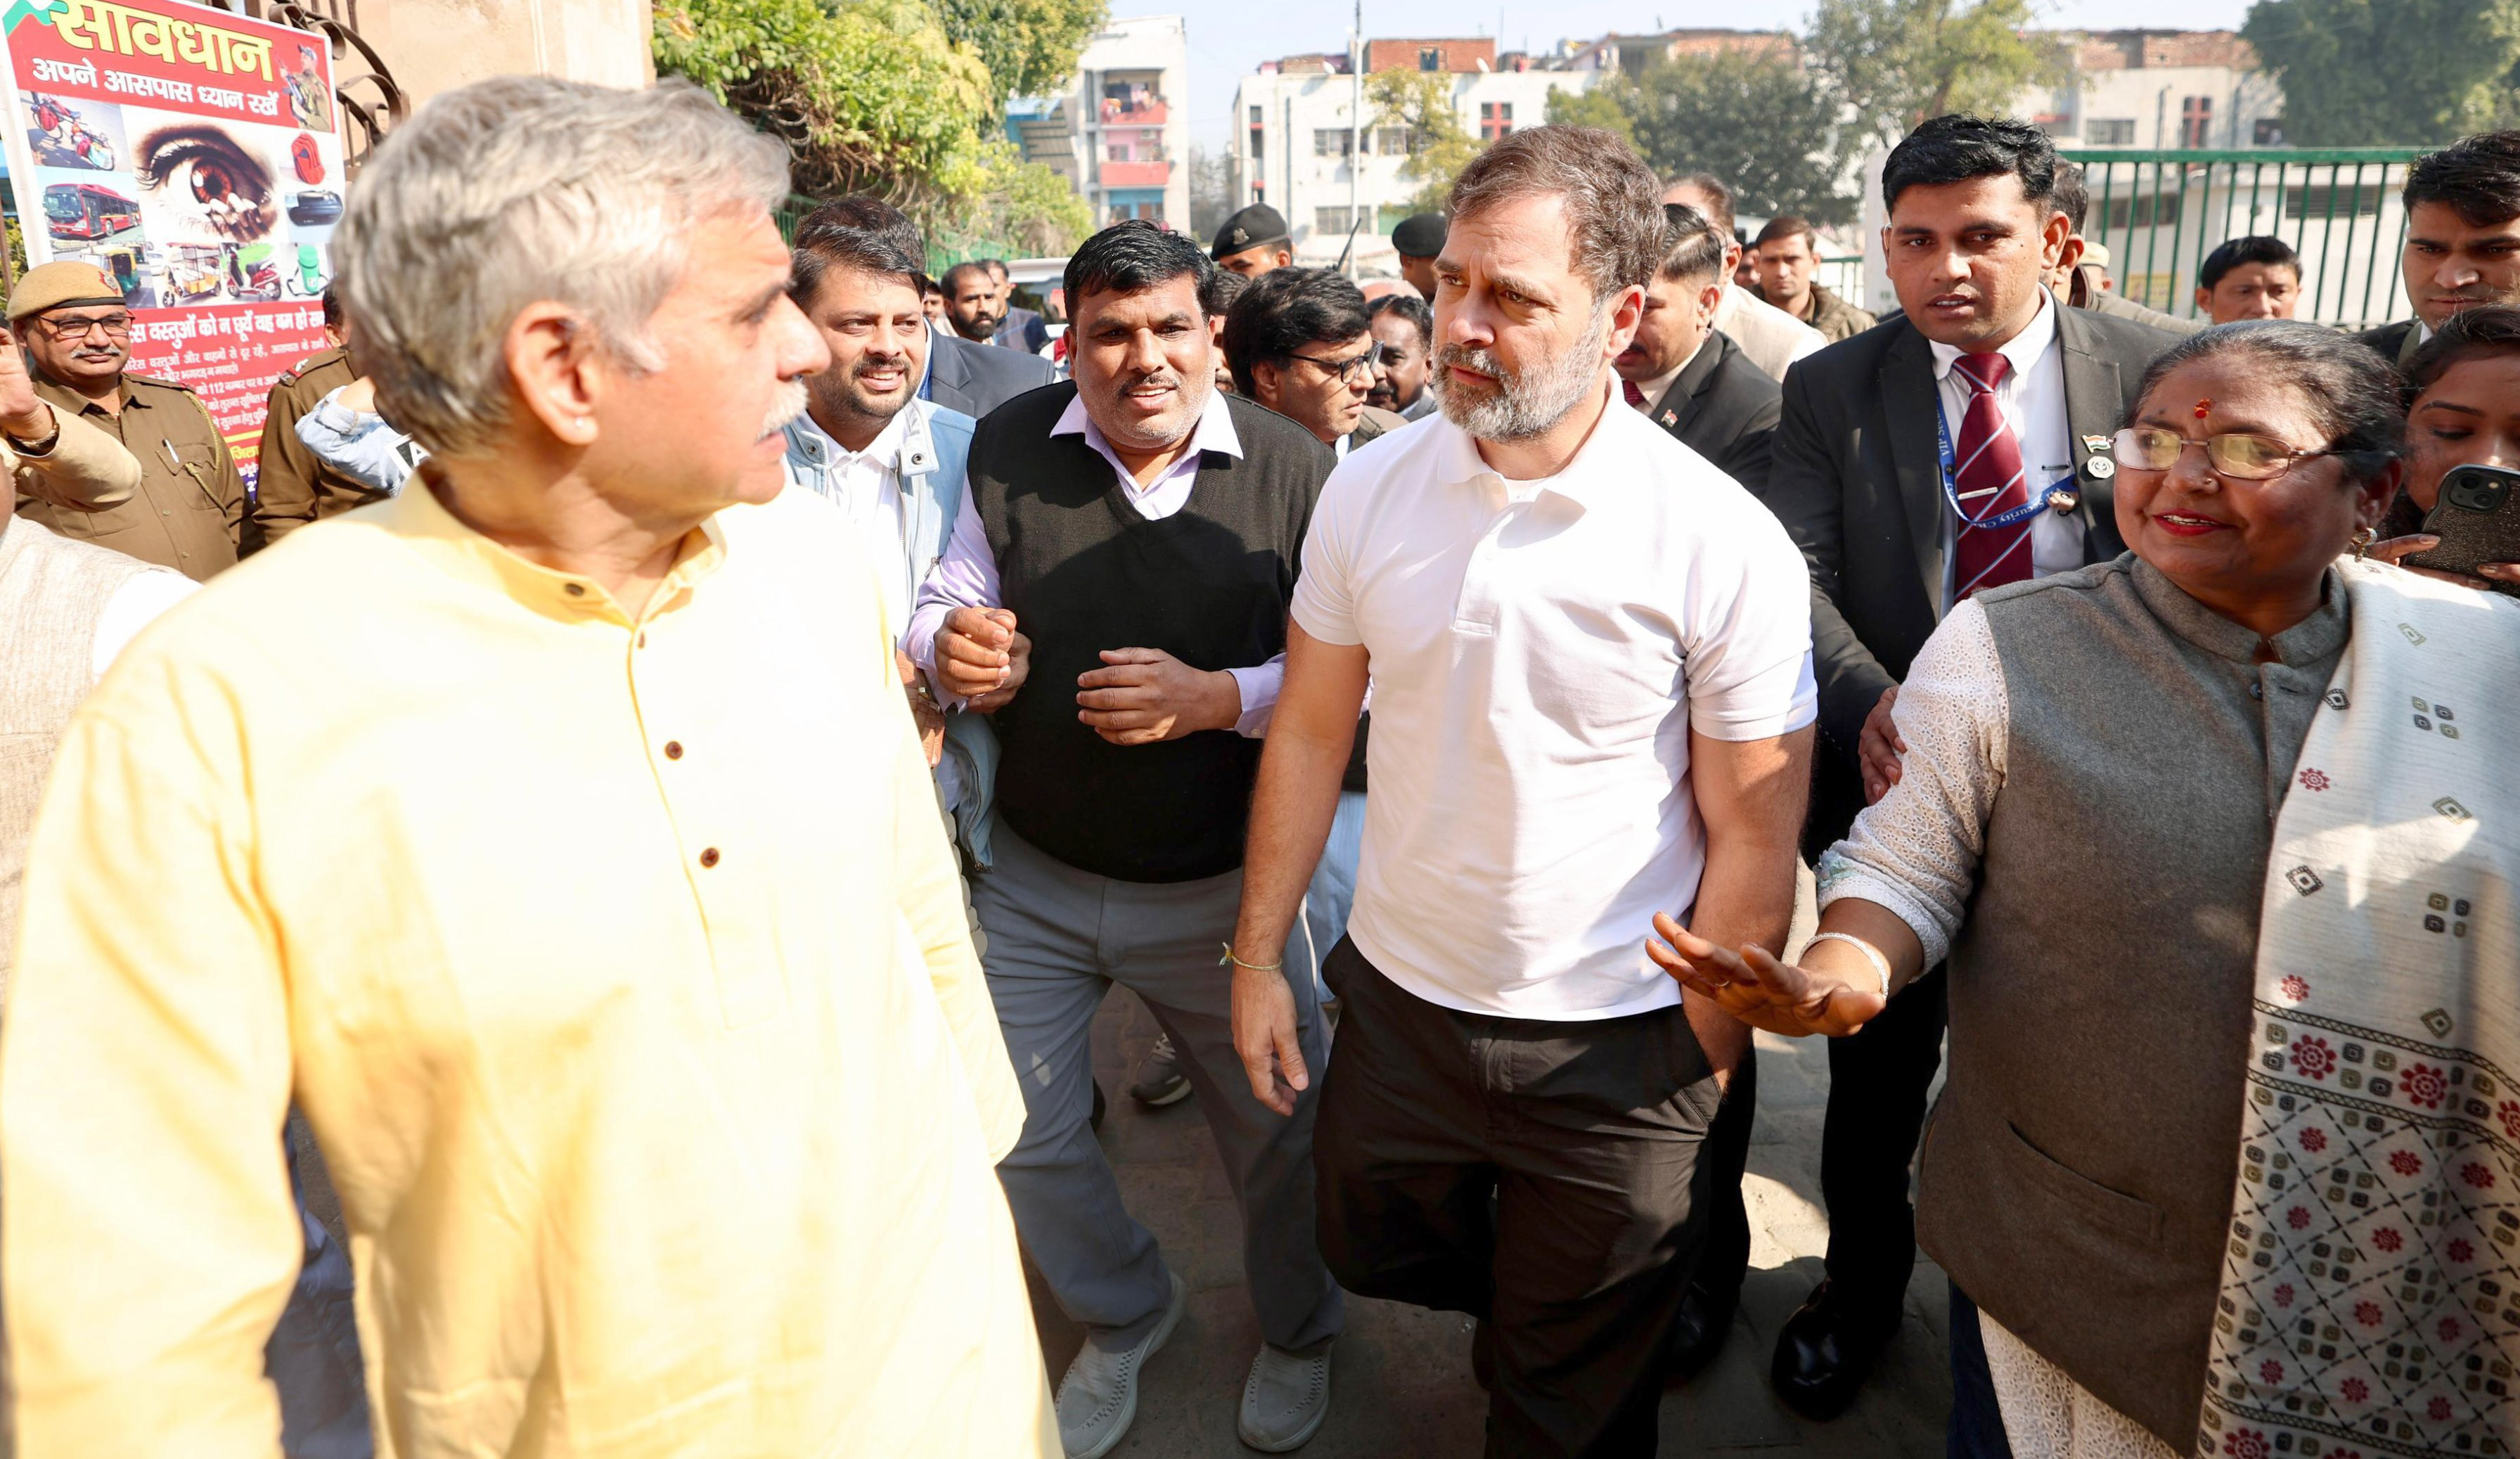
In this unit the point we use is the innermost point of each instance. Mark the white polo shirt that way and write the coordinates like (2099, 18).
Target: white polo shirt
(1541, 650)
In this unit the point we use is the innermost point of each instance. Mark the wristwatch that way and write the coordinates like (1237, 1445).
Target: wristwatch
(38, 448)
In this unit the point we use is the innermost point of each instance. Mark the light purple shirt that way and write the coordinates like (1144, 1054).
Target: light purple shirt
(967, 574)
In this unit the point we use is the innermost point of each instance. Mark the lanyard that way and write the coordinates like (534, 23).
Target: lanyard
(2062, 486)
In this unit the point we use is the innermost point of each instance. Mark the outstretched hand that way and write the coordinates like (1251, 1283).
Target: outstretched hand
(1756, 989)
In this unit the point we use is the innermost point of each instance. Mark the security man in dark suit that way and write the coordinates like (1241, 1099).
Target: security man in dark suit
(292, 487)
(190, 511)
(1900, 519)
(1685, 373)
(2462, 243)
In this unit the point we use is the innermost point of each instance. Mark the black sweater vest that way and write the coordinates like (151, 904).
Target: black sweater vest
(1083, 571)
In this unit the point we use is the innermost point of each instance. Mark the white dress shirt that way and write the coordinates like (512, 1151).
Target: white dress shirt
(1540, 652)
(2032, 398)
(967, 575)
(865, 485)
(133, 607)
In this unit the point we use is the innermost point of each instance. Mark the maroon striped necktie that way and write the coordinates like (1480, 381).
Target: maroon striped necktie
(1989, 482)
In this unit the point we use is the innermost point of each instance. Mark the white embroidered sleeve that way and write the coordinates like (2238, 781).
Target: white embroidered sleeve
(1916, 853)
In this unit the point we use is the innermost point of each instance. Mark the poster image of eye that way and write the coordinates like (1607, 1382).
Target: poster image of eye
(208, 181)
(66, 133)
(190, 153)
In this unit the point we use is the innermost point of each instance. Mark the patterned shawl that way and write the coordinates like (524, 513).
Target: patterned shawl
(2371, 1301)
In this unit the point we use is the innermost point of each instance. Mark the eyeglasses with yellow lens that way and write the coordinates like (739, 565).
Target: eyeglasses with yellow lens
(76, 327)
(2248, 458)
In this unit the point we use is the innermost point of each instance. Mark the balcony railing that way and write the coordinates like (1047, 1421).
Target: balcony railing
(1138, 113)
(1153, 174)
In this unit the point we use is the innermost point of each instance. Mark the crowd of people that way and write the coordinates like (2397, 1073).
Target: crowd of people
(656, 842)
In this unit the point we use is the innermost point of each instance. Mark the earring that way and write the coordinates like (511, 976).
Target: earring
(2364, 537)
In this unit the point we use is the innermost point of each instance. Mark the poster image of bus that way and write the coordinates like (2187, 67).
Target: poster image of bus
(190, 152)
(67, 133)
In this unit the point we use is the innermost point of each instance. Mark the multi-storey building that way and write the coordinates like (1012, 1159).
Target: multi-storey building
(1120, 134)
(1300, 145)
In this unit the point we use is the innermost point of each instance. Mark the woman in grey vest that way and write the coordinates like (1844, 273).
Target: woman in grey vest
(2221, 840)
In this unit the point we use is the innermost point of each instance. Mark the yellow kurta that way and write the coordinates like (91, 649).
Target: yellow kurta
(620, 970)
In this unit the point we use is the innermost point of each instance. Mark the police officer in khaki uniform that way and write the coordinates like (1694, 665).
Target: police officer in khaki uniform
(295, 487)
(190, 511)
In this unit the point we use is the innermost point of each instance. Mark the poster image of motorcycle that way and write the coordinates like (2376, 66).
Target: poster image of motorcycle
(190, 152)
(71, 133)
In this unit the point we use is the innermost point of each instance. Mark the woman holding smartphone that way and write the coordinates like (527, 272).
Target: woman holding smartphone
(2463, 409)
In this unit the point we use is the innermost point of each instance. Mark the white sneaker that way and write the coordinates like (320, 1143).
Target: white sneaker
(1285, 1400)
(1097, 1399)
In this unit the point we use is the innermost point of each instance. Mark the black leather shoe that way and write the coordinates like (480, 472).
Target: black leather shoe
(1698, 1336)
(1824, 1352)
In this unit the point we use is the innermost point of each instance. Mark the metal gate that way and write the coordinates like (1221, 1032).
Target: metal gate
(2161, 213)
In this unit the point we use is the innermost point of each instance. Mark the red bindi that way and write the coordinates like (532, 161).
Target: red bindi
(2203, 406)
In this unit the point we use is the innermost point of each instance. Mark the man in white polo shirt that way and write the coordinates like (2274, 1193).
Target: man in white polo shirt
(1591, 659)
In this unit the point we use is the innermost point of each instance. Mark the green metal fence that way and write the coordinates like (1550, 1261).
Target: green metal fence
(2161, 213)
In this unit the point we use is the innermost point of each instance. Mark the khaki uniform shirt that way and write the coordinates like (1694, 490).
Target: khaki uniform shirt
(190, 504)
(296, 488)
(85, 469)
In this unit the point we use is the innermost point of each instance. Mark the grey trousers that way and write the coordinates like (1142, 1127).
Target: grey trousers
(1058, 940)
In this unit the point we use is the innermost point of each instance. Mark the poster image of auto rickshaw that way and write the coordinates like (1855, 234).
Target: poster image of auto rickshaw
(195, 273)
(127, 266)
(253, 272)
(66, 133)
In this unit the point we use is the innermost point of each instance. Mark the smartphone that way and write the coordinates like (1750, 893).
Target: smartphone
(2477, 518)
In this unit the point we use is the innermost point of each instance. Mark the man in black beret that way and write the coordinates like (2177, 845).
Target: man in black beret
(1252, 242)
(1418, 239)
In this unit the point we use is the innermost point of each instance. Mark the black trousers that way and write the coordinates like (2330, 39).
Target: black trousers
(1543, 1177)
(1877, 1083)
(1726, 1260)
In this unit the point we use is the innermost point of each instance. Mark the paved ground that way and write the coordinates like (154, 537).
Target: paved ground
(1401, 1378)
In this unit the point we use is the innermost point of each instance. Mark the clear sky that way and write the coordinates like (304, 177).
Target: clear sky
(1227, 38)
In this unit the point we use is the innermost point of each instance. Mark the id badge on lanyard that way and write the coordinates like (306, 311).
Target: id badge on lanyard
(2058, 496)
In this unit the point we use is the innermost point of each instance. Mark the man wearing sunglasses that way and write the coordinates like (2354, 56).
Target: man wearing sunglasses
(1962, 448)
(190, 511)
(1300, 341)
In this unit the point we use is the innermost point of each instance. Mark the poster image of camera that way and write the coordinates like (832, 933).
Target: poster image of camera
(75, 132)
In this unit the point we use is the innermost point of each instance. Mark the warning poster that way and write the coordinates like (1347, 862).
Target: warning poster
(193, 154)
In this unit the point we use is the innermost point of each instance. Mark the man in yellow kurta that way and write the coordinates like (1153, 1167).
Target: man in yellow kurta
(556, 835)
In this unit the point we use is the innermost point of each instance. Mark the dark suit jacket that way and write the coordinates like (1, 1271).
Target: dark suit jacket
(1856, 482)
(1725, 408)
(2395, 341)
(976, 379)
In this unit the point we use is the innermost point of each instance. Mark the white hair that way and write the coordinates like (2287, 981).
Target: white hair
(522, 189)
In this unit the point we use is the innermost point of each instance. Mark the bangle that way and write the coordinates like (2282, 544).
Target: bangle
(1275, 967)
(1872, 954)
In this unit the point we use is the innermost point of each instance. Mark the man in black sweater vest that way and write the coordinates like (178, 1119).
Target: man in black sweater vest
(1143, 531)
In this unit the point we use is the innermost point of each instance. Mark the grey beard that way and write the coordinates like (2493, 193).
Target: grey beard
(1526, 404)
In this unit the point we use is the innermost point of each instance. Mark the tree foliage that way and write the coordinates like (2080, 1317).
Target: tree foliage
(1891, 63)
(878, 96)
(2390, 73)
(1761, 123)
(1029, 46)
(1439, 146)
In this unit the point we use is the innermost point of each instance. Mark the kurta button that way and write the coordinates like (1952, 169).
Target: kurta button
(673, 750)
(710, 857)
(2257, 691)
(575, 590)
(642, 640)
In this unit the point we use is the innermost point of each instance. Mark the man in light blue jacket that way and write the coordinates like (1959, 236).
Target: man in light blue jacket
(888, 461)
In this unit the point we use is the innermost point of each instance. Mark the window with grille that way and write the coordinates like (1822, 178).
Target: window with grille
(1430, 58)
(1331, 220)
(2111, 131)
(2195, 121)
(1496, 120)
(1331, 141)
(1391, 141)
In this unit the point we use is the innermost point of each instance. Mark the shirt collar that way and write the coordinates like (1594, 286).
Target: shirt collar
(1597, 465)
(417, 517)
(1213, 432)
(1660, 386)
(2024, 349)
